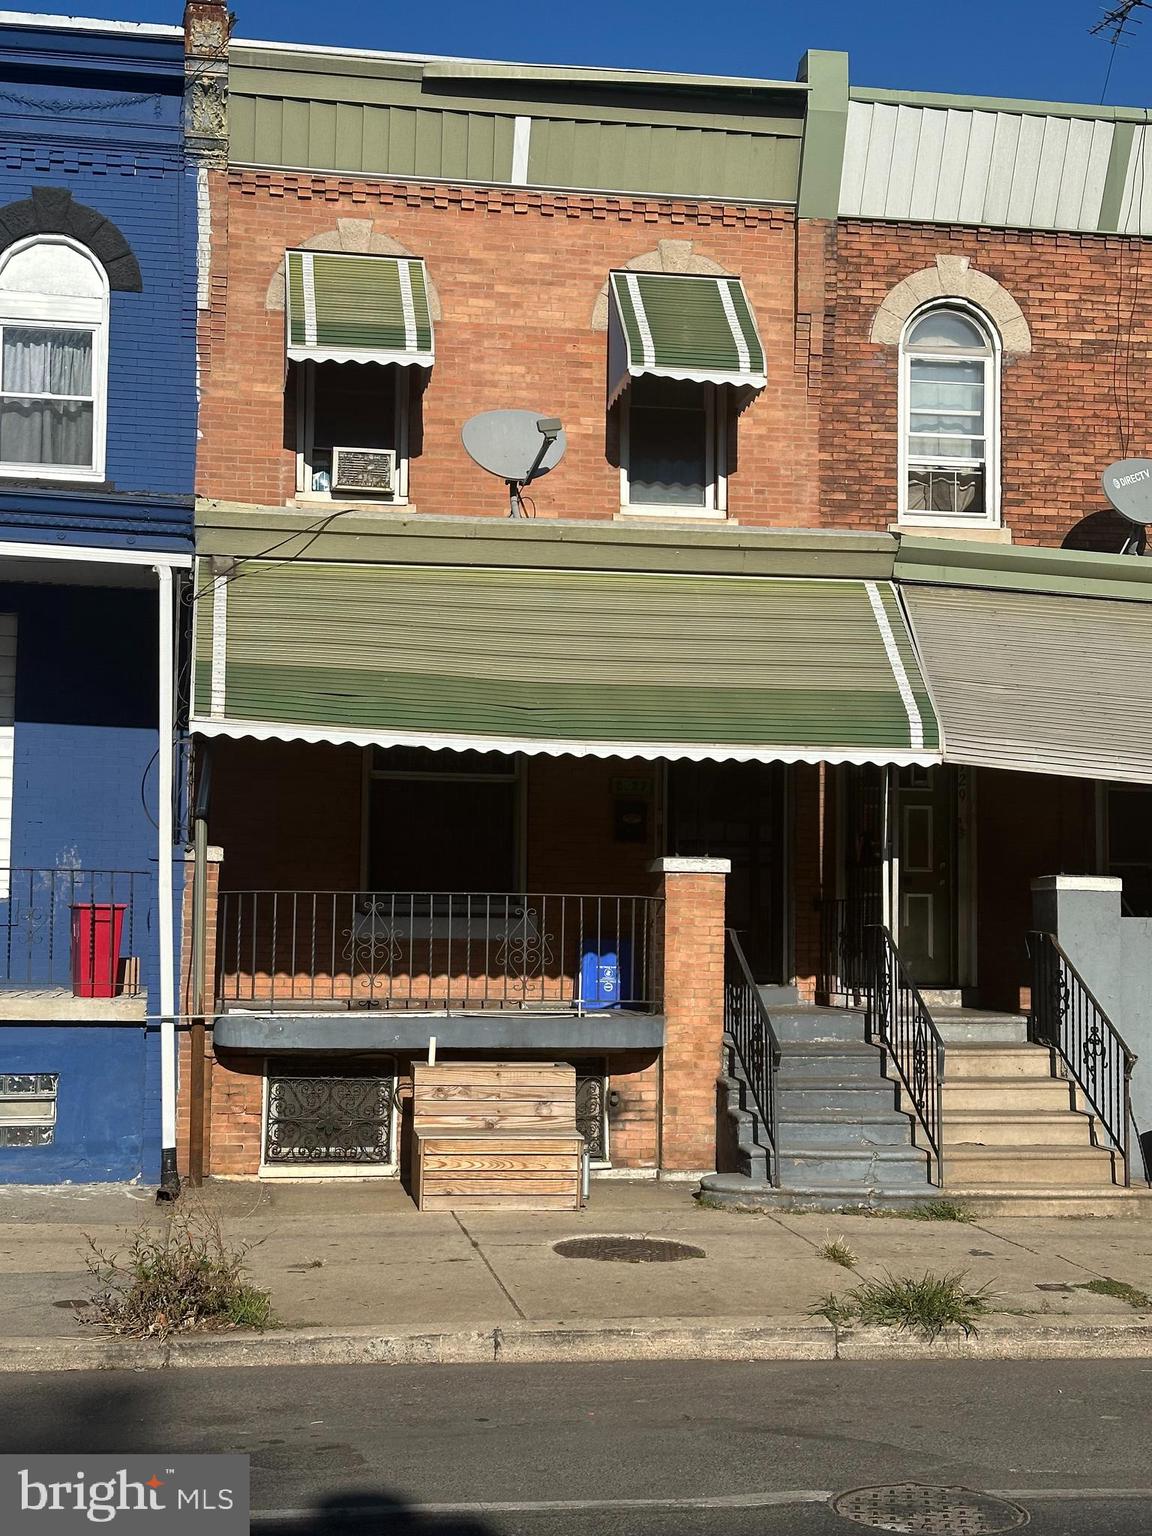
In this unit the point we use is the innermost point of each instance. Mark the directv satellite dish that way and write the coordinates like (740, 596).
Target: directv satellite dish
(517, 446)
(1128, 486)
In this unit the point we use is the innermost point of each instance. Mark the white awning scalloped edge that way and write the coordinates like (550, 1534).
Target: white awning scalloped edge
(360, 355)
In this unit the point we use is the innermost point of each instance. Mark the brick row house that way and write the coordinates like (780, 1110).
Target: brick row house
(97, 443)
(737, 749)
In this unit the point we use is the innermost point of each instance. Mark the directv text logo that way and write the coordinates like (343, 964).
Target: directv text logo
(181, 1494)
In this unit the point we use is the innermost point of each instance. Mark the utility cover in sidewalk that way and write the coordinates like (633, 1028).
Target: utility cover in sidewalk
(917, 1507)
(626, 1250)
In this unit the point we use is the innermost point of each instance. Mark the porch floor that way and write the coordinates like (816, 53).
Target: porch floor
(392, 1030)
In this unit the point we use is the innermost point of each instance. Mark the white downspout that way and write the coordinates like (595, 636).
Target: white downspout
(166, 927)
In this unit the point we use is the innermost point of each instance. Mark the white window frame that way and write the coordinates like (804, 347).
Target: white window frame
(715, 463)
(63, 313)
(990, 516)
(305, 431)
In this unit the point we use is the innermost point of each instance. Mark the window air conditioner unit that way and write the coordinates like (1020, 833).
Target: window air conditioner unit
(364, 470)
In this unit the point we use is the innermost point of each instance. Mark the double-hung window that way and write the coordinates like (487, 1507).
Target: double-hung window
(53, 361)
(949, 381)
(673, 434)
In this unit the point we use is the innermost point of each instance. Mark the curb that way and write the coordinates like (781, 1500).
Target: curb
(735, 1339)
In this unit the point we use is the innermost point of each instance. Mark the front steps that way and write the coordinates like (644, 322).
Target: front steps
(841, 1140)
(1012, 1127)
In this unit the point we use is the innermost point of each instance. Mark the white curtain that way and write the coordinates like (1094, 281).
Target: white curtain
(40, 361)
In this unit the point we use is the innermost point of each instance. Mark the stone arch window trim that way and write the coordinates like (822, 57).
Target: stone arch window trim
(952, 278)
(674, 256)
(991, 514)
(52, 211)
(354, 237)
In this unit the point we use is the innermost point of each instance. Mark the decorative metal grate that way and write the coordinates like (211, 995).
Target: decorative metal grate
(919, 1507)
(314, 1121)
(591, 1119)
(899, 1020)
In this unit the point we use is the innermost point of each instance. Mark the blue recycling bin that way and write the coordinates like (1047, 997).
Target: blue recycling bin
(606, 975)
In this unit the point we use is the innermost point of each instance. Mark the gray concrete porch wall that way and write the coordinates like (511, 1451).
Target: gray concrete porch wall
(1113, 954)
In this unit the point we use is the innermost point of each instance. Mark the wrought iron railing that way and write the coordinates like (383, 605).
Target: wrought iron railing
(748, 1025)
(73, 929)
(437, 950)
(1065, 1016)
(844, 962)
(898, 1020)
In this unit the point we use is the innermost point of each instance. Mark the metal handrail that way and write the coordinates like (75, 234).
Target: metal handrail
(748, 1025)
(1066, 1016)
(899, 1020)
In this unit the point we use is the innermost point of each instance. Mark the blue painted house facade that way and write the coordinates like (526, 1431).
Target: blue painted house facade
(98, 239)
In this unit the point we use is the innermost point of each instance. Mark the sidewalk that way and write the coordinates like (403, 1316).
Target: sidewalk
(358, 1258)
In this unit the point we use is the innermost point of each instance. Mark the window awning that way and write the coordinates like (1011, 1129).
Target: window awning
(698, 328)
(357, 309)
(561, 662)
(1039, 682)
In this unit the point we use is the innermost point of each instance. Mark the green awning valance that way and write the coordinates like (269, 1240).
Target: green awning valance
(357, 309)
(581, 662)
(698, 328)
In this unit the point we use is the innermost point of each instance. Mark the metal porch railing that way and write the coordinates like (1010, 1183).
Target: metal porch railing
(437, 950)
(844, 964)
(898, 1020)
(74, 929)
(748, 1025)
(1065, 1016)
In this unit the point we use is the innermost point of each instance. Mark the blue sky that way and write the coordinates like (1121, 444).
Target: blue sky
(1031, 48)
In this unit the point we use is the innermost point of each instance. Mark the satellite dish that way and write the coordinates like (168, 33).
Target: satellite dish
(1128, 486)
(517, 446)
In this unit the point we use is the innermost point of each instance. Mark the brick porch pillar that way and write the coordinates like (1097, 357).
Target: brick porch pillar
(691, 956)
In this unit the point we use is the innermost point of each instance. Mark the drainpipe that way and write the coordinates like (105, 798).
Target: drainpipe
(196, 1107)
(166, 925)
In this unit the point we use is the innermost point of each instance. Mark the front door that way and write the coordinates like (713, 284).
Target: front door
(926, 927)
(736, 811)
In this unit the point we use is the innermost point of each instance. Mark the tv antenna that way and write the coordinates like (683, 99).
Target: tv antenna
(517, 446)
(1115, 24)
(1128, 486)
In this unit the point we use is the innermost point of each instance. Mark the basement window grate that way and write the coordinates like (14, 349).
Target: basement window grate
(320, 1120)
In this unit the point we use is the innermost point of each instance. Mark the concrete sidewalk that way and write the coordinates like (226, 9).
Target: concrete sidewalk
(358, 1256)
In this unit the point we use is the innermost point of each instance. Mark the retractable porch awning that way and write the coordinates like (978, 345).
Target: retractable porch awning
(357, 309)
(1039, 682)
(698, 328)
(586, 663)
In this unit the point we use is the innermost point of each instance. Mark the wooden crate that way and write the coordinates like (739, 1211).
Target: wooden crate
(496, 1134)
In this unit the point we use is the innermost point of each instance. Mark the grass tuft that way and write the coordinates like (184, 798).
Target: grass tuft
(1120, 1289)
(837, 1251)
(181, 1277)
(926, 1305)
(937, 1210)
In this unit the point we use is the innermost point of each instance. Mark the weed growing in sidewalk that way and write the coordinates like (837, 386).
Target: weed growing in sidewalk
(1120, 1289)
(926, 1306)
(837, 1251)
(181, 1277)
(935, 1210)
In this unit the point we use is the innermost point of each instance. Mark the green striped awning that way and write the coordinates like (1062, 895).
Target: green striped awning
(587, 663)
(698, 328)
(357, 309)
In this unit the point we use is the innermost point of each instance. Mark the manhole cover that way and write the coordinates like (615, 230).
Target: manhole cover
(626, 1250)
(919, 1507)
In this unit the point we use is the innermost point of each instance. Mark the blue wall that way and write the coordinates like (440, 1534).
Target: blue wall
(103, 1113)
(101, 117)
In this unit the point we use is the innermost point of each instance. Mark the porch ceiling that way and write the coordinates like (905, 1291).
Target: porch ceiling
(588, 663)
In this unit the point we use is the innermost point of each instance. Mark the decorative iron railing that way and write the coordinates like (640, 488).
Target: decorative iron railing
(73, 929)
(748, 1025)
(1065, 1016)
(437, 950)
(844, 962)
(898, 1020)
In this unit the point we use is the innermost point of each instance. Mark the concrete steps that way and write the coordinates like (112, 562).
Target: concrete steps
(1017, 1128)
(1049, 1167)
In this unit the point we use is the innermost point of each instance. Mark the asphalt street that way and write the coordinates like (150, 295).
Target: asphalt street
(639, 1450)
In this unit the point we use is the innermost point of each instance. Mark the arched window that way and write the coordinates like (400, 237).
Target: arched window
(53, 360)
(950, 375)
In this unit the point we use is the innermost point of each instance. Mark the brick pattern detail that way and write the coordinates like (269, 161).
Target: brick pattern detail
(518, 273)
(1065, 406)
(692, 956)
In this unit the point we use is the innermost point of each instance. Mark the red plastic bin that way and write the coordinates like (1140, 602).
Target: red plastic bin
(97, 929)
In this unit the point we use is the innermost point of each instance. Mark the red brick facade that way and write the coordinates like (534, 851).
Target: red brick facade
(1069, 407)
(518, 274)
